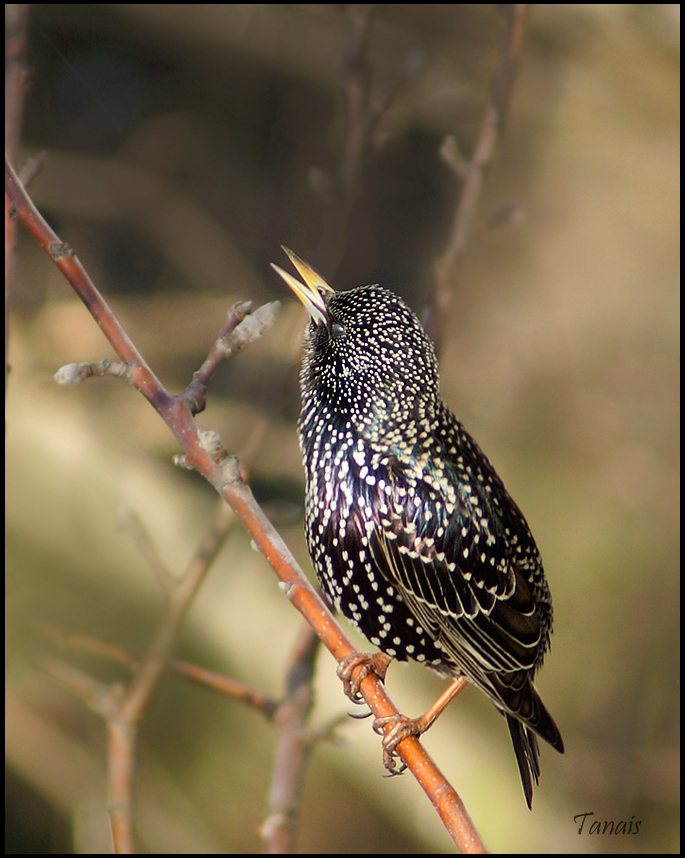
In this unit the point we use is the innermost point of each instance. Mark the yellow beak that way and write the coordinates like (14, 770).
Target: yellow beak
(311, 292)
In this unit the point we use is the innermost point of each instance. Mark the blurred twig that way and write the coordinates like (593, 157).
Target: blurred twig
(472, 171)
(16, 27)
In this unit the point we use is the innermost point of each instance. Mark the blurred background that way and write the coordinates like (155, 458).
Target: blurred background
(185, 144)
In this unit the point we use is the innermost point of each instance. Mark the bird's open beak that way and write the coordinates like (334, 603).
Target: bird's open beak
(311, 292)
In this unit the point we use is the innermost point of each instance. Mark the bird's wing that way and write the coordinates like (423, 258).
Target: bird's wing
(461, 579)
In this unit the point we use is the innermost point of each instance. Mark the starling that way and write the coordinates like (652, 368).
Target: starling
(411, 532)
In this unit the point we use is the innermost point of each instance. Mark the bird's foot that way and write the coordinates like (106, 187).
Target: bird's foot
(401, 727)
(367, 662)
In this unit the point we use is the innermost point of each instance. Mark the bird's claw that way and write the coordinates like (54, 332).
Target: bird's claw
(367, 662)
(359, 716)
(401, 728)
(390, 763)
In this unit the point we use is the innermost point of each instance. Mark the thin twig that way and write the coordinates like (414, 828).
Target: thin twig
(293, 745)
(473, 172)
(217, 682)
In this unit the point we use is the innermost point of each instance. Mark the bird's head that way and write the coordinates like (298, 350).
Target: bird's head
(366, 357)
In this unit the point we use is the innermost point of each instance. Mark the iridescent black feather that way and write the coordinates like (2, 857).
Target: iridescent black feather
(412, 534)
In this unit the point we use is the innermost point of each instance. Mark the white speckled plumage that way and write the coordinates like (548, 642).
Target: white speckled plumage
(412, 534)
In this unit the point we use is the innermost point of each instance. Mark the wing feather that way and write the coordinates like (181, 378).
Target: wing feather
(482, 615)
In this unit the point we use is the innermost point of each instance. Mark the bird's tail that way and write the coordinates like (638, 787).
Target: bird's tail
(526, 748)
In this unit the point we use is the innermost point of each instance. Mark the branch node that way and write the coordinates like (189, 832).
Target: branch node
(210, 441)
(251, 328)
(75, 373)
(59, 250)
(230, 467)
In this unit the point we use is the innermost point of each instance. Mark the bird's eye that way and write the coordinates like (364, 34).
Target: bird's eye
(337, 330)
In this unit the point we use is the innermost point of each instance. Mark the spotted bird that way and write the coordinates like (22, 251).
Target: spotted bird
(412, 534)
